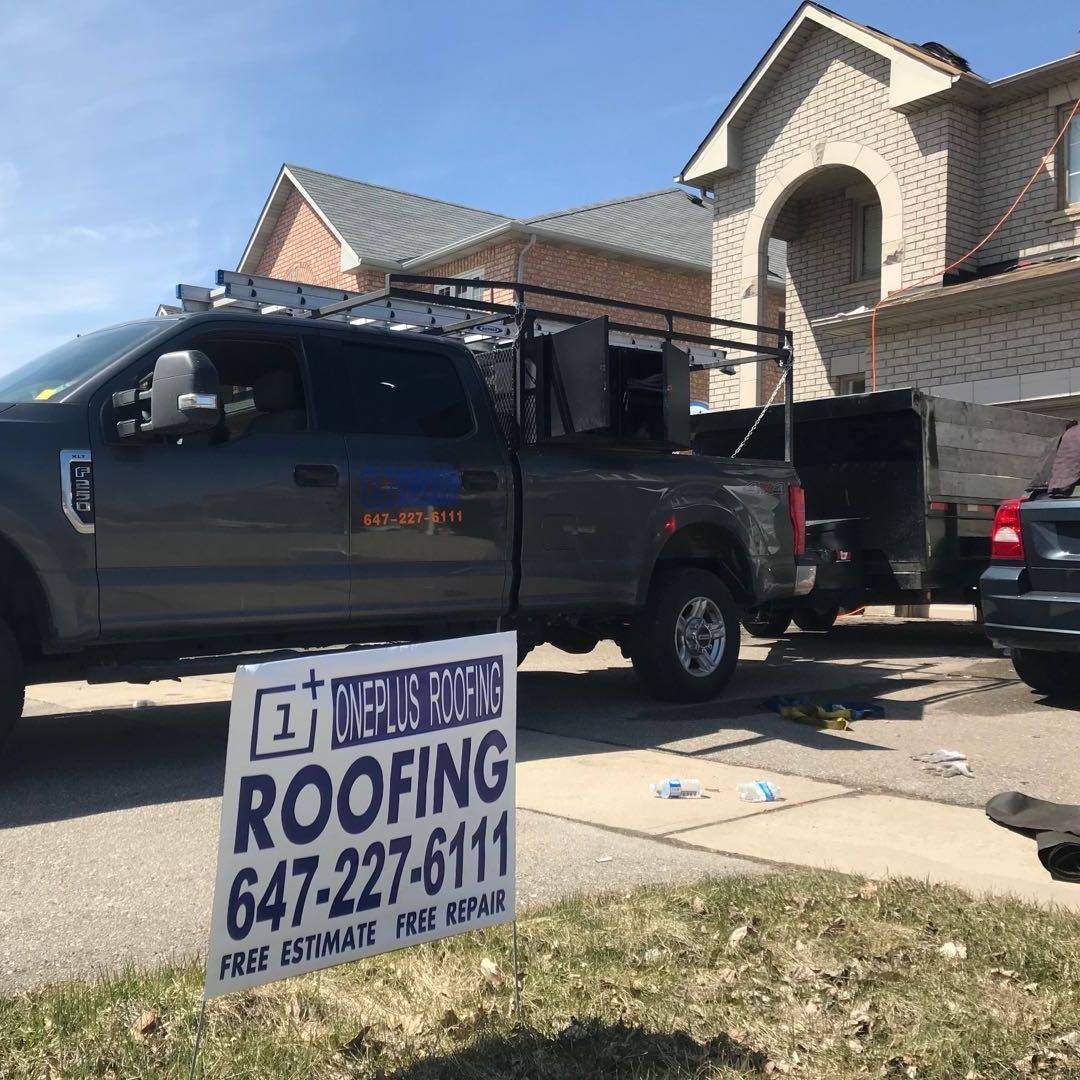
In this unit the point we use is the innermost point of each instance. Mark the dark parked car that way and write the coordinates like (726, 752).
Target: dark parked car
(1031, 590)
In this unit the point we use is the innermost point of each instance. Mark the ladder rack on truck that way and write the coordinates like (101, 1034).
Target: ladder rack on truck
(550, 372)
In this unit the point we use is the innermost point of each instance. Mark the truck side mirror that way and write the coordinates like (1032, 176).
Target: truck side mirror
(183, 396)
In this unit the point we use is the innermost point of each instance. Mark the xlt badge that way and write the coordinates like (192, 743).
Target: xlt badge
(77, 489)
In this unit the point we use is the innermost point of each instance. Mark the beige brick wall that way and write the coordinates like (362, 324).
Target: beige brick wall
(988, 345)
(834, 90)
(769, 373)
(1014, 137)
(957, 170)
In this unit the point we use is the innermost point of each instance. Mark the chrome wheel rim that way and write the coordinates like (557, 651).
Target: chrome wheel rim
(700, 637)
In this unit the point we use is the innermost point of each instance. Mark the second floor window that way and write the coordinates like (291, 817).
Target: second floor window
(1070, 159)
(867, 246)
(469, 292)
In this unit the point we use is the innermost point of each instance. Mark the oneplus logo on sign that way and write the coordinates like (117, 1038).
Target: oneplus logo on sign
(284, 721)
(77, 489)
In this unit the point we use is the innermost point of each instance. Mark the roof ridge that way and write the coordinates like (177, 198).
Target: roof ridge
(604, 202)
(397, 191)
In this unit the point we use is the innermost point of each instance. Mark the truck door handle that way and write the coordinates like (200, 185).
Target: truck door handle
(479, 480)
(324, 476)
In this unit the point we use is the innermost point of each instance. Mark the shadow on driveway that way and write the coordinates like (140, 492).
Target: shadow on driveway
(65, 765)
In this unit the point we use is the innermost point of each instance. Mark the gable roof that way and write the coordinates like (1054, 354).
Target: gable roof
(390, 225)
(396, 230)
(915, 74)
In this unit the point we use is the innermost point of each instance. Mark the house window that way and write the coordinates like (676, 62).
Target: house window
(1069, 159)
(851, 384)
(465, 292)
(866, 248)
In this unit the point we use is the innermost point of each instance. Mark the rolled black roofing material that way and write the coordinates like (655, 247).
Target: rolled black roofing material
(1055, 828)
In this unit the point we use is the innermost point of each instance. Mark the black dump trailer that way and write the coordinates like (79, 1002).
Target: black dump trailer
(901, 489)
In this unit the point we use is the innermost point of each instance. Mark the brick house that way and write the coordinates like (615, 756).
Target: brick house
(652, 248)
(880, 163)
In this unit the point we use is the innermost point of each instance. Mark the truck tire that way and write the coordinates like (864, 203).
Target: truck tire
(1055, 674)
(810, 618)
(12, 683)
(769, 620)
(686, 643)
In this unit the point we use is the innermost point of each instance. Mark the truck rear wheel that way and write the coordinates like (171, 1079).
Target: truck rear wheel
(12, 682)
(769, 620)
(810, 618)
(686, 643)
(1052, 673)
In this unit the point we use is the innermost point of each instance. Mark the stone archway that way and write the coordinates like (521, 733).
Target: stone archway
(771, 201)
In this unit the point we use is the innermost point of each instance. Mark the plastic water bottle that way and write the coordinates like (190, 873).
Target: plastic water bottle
(759, 791)
(676, 789)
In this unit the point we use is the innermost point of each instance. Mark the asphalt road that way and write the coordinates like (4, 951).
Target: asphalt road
(109, 813)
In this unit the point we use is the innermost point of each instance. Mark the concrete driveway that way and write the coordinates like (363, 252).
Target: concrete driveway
(109, 813)
(941, 684)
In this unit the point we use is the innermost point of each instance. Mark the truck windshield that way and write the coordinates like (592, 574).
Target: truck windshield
(69, 365)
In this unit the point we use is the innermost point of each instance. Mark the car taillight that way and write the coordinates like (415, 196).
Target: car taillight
(1006, 540)
(796, 501)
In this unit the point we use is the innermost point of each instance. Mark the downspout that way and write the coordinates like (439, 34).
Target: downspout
(521, 259)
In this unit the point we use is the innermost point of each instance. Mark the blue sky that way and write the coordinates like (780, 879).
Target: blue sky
(138, 141)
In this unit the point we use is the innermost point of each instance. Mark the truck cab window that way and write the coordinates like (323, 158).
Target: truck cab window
(262, 389)
(410, 392)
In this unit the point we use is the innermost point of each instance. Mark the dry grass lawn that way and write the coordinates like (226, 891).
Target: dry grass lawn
(815, 976)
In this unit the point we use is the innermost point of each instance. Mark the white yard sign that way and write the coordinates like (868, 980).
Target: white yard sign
(368, 805)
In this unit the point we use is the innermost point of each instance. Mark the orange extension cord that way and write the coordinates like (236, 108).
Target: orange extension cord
(1043, 161)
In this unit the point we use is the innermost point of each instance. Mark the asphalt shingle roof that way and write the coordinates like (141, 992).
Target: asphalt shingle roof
(386, 224)
(668, 223)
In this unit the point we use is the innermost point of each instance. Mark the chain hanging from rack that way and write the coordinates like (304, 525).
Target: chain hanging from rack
(784, 369)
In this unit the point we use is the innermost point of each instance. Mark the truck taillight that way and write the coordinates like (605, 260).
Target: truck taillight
(1006, 540)
(796, 500)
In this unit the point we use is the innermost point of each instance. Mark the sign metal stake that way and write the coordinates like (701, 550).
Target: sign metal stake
(517, 972)
(198, 1040)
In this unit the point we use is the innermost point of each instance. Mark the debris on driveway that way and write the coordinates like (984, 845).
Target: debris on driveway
(831, 716)
(759, 791)
(945, 763)
(676, 789)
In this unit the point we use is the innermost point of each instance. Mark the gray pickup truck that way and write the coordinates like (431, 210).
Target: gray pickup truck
(181, 489)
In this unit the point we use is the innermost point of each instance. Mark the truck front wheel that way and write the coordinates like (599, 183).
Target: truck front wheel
(686, 643)
(12, 682)
(1054, 674)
